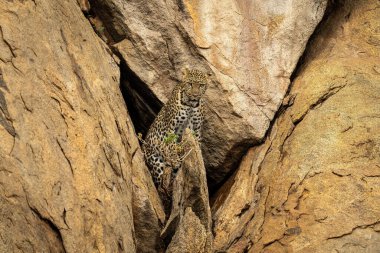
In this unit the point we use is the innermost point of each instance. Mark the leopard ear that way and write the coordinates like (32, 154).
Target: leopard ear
(185, 72)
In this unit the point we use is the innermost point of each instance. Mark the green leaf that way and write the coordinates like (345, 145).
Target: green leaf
(170, 138)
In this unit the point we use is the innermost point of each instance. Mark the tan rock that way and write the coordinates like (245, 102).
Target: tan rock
(318, 171)
(188, 228)
(252, 48)
(22, 229)
(190, 236)
(66, 137)
(232, 208)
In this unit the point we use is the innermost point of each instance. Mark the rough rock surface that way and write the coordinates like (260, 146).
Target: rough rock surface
(191, 236)
(232, 207)
(313, 186)
(72, 174)
(188, 228)
(252, 47)
(65, 151)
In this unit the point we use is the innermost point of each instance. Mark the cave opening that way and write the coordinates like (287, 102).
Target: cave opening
(142, 104)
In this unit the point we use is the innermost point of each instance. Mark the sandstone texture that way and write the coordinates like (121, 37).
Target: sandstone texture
(65, 136)
(188, 228)
(251, 47)
(295, 167)
(313, 186)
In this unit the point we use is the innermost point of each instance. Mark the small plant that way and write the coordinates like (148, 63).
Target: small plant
(173, 151)
(171, 138)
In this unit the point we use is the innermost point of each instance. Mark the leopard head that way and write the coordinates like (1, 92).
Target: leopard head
(194, 85)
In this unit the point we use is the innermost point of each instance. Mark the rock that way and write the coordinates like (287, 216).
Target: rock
(191, 235)
(22, 228)
(84, 5)
(66, 137)
(251, 47)
(190, 216)
(231, 210)
(313, 186)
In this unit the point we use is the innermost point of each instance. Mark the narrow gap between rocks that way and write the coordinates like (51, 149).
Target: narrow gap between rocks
(332, 6)
(238, 150)
(142, 104)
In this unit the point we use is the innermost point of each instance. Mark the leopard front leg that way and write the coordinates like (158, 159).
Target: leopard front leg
(156, 165)
(195, 122)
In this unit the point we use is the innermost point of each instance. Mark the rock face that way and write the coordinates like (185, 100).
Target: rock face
(188, 228)
(251, 47)
(72, 174)
(66, 138)
(313, 186)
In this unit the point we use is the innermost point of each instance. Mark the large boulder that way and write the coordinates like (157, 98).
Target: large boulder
(65, 136)
(313, 186)
(188, 227)
(252, 47)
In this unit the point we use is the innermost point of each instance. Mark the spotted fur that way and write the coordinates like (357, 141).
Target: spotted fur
(183, 110)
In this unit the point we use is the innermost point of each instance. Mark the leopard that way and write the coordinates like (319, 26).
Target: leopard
(184, 109)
